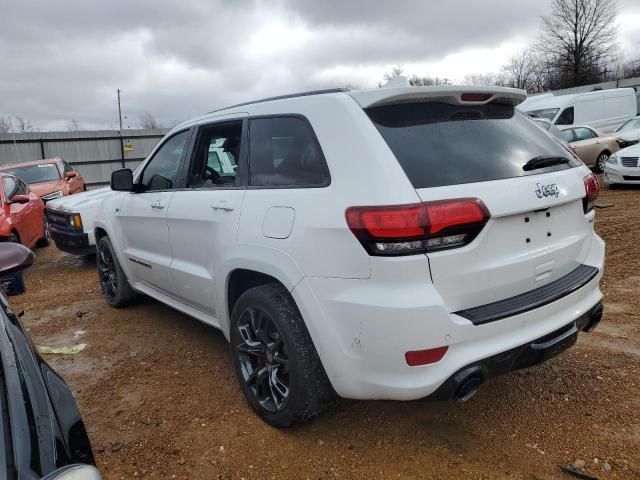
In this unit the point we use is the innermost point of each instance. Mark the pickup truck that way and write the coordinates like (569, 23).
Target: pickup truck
(70, 220)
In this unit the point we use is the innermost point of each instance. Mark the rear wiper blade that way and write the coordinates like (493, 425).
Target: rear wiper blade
(543, 161)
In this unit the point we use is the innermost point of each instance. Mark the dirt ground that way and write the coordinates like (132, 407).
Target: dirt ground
(160, 400)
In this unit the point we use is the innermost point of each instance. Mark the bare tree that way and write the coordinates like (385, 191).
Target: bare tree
(74, 126)
(5, 125)
(417, 81)
(396, 71)
(23, 125)
(149, 121)
(351, 86)
(485, 79)
(520, 70)
(578, 38)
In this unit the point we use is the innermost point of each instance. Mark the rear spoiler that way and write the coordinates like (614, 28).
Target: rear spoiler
(457, 95)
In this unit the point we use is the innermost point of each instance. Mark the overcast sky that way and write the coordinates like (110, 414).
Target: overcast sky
(63, 60)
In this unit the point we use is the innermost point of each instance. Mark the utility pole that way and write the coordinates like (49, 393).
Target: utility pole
(119, 112)
(121, 141)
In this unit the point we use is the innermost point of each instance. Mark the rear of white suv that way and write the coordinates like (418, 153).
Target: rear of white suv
(395, 243)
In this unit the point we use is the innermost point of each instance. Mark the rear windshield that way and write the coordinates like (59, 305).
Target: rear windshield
(46, 172)
(439, 144)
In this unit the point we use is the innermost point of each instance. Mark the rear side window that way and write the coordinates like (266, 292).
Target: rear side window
(584, 134)
(439, 144)
(283, 152)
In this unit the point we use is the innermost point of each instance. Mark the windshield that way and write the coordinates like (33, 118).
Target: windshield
(629, 125)
(548, 113)
(440, 144)
(47, 172)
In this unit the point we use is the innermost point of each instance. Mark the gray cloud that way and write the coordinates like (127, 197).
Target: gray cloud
(64, 60)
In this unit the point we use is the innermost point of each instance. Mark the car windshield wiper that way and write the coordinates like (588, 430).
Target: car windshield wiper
(543, 161)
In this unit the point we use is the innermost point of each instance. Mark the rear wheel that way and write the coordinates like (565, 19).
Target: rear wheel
(275, 360)
(602, 159)
(113, 282)
(45, 241)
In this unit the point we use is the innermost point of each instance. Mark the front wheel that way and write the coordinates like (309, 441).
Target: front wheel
(113, 282)
(602, 160)
(275, 360)
(45, 241)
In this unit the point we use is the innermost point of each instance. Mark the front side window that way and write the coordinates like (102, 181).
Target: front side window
(161, 173)
(584, 134)
(439, 144)
(566, 117)
(45, 172)
(283, 152)
(216, 155)
(548, 113)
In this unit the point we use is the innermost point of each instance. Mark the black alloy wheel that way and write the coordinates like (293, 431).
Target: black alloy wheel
(263, 359)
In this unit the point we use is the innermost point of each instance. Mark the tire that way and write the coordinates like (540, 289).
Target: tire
(113, 282)
(45, 241)
(600, 161)
(275, 360)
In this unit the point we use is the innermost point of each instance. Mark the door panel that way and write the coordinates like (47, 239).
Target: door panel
(143, 215)
(203, 220)
(202, 226)
(146, 238)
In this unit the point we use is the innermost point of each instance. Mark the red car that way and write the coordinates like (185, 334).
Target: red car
(49, 179)
(22, 218)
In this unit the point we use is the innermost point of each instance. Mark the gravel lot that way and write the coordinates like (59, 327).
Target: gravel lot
(159, 397)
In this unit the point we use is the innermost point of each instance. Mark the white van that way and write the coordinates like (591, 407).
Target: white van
(602, 109)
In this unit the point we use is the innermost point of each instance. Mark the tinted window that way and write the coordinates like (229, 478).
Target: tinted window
(217, 155)
(46, 172)
(566, 117)
(161, 173)
(283, 152)
(584, 134)
(441, 144)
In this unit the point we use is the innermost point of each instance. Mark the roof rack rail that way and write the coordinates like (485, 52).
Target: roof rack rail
(282, 97)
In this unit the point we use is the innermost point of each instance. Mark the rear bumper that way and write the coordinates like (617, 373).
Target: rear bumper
(76, 243)
(363, 328)
(460, 384)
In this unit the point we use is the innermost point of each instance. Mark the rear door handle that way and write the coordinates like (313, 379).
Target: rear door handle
(157, 205)
(222, 205)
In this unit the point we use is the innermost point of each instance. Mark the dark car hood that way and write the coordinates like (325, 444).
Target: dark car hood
(45, 430)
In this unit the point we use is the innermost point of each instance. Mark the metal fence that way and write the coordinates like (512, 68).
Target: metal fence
(95, 154)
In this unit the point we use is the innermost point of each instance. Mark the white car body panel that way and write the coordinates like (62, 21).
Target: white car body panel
(602, 109)
(624, 163)
(363, 312)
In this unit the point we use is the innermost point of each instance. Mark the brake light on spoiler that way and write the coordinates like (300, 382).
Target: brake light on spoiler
(418, 227)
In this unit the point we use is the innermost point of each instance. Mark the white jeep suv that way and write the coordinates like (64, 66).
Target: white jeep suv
(394, 243)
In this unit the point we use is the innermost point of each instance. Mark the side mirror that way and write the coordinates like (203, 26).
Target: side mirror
(14, 257)
(122, 180)
(19, 199)
(74, 472)
(70, 175)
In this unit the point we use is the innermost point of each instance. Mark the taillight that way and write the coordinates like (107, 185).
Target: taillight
(591, 187)
(475, 97)
(419, 227)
